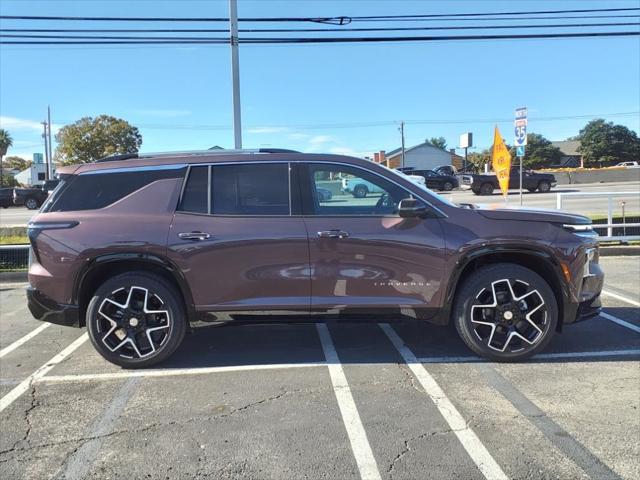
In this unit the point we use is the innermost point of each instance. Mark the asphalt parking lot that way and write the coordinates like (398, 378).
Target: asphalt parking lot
(335, 401)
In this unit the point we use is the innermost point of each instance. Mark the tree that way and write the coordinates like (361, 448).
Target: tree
(439, 142)
(90, 139)
(5, 142)
(479, 159)
(603, 142)
(14, 162)
(8, 180)
(539, 152)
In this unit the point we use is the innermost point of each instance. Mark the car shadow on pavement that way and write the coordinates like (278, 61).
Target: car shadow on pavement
(365, 343)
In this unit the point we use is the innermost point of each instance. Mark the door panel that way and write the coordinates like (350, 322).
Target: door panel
(362, 254)
(383, 262)
(247, 263)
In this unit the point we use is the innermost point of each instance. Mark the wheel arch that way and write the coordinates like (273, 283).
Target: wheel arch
(538, 261)
(99, 269)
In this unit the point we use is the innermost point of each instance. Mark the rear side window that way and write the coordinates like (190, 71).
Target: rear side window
(195, 194)
(91, 191)
(250, 189)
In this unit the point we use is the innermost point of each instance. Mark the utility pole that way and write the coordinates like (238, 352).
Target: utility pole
(235, 73)
(402, 141)
(49, 172)
(46, 149)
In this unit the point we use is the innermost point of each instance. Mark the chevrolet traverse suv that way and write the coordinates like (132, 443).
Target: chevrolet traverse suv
(136, 247)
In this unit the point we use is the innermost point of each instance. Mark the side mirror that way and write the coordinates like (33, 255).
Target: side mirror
(412, 208)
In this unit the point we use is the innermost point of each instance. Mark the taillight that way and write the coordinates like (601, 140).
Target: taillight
(34, 229)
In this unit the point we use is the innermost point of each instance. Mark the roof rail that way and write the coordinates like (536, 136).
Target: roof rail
(216, 152)
(127, 156)
(115, 158)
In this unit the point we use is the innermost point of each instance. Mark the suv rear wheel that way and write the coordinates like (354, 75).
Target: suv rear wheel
(136, 320)
(486, 189)
(31, 203)
(505, 312)
(360, 191)
(544, 186)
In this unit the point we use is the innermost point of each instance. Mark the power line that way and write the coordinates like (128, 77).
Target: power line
(341, 20)
(295, 30)
(266, 41)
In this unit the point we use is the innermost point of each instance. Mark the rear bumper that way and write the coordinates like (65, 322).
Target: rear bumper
(45, 309)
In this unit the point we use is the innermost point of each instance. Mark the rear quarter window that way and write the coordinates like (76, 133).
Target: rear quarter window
(91, 191)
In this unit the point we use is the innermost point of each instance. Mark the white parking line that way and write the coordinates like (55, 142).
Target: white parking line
(469, 440)
(26, 338)
(541, 356)
(23, 386)
(620, 297)
(169, 372)
(355, 430)
(620, 322)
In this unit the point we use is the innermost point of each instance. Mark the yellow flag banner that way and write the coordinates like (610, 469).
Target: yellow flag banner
(501, 161)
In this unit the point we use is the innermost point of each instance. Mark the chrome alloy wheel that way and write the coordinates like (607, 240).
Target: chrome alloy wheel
(133, 323)
(510, 316)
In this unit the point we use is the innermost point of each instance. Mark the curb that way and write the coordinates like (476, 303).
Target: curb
(619, 250)
(10, 278)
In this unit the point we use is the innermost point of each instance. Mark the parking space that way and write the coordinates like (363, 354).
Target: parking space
(335, 401)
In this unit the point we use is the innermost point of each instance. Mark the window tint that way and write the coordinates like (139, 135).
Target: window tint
(98, 190)
(194, 196)
(344, 190)
(250, 189)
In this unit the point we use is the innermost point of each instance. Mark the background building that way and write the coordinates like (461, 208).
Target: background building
(423, 156)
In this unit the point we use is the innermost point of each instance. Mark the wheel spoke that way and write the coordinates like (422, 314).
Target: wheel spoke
(131, 323)
(504, 312)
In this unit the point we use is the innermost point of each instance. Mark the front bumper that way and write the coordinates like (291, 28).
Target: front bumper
(45, 309)
(590, 304)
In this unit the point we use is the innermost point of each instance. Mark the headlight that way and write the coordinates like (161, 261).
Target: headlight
(581, 230)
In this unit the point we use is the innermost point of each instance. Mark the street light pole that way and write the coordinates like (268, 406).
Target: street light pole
(49, 173)
(402, 140)
(235, 73)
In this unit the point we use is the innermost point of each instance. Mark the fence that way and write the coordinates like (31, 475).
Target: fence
(14, 257)
(621, 231)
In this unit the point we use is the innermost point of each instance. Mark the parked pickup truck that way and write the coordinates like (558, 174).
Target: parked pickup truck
(34, 197)
(485, 184)
(6, 197)
(358, 187)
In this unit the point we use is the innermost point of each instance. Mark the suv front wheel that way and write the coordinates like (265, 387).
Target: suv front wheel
(136, 320)
(505, 312)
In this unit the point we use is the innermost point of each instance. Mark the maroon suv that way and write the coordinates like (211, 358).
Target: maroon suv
(137, 247)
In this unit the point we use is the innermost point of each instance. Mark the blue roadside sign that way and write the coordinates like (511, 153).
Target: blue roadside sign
(520, 151)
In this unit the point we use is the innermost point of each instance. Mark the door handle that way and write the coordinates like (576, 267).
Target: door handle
(194, 236)
(333, 234)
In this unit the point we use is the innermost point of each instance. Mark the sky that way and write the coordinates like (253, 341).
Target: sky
(334, 98)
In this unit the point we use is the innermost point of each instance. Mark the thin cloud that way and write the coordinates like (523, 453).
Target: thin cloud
(262, 130)
(13, 123)
(163, 113)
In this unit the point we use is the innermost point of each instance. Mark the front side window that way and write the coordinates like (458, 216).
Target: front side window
(345, 190)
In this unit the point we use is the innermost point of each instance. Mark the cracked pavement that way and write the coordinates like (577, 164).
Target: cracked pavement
(286, 423)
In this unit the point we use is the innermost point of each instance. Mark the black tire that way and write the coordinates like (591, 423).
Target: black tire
(360, 191)
(447, 186)
(487, 284)
(161, 297)
(544, 186)
(531, 190)
(31, 203)
(476, 191)
(486, 189)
